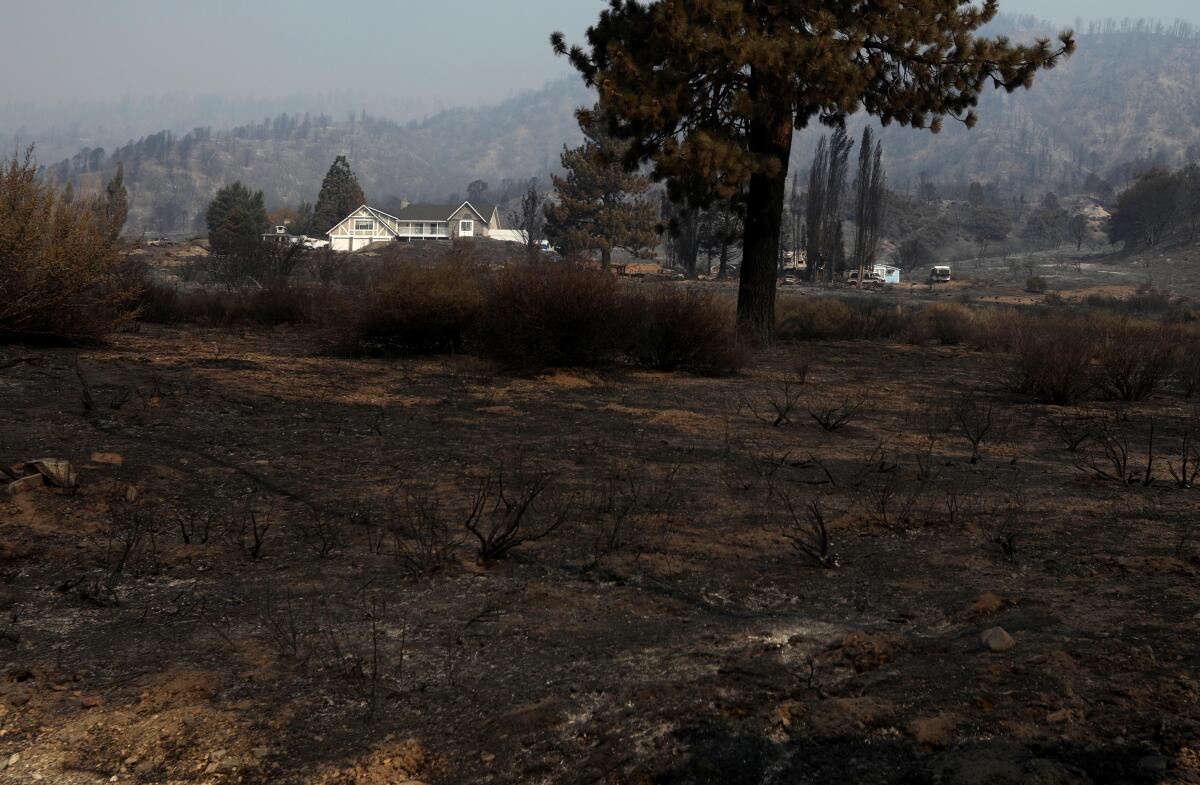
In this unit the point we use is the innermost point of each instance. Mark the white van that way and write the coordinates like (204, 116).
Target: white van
(939, 274)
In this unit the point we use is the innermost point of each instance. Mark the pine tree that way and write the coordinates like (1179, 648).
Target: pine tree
(236, 221)
(114, 206)
(600, 205)
(340, 195)
(712, 91)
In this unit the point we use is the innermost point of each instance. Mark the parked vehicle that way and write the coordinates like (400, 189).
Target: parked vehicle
(871, 279)
(939, 274)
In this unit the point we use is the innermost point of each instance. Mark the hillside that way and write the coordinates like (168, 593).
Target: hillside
(171, 178)
(1122, 103)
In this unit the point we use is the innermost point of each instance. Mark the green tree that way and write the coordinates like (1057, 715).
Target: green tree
(712, 91)
(236, 221)
(1147, 212)
(601, 206)
(114, 206)
(340, 195)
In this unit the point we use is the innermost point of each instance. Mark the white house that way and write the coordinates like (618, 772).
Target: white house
(367, 225)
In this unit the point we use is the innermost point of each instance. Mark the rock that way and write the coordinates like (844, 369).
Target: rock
(108, 458)
(12, 759)
(934, 731)
(19, 698)
(1062, 715)
(57, 472)
(1004, 764)
(997, 639)
(986, 605)
(1153, 764)
(26, 484)
(91, 701)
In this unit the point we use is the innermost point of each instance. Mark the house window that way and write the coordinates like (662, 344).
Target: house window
(466, 228)
(364, 226)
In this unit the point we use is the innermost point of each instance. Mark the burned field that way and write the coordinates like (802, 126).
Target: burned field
(283, 566)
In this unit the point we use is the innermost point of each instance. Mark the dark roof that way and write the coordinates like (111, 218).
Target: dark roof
(440, 212)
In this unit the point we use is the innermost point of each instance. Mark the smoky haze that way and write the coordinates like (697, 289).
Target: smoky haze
(416, 53)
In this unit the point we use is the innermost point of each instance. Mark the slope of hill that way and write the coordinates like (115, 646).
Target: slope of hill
(171, 178)
(1122, 103)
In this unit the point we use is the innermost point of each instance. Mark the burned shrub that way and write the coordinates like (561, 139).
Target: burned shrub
(976, 419)
(539, 315)
(414, 308)
(424, 536)
(510, 509)
(944, 323)
(815, 319)
(833, 412)
(632, 510)
(1114, 455)
(1052, 357)
(673, 328)
(1133, 359)
(808, 534)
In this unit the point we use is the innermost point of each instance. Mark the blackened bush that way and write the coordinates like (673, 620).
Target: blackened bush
(419, 308)
(1134, 358)
(673, 328)
(544, 314)
(945, 323)
(1052, 357)
(163, 304)
(1035, 284)
(815, 318)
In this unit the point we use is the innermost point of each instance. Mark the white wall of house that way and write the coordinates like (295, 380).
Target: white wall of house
(366, 226)
(358, 230)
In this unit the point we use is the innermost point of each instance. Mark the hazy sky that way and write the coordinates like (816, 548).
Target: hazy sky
(460, 53)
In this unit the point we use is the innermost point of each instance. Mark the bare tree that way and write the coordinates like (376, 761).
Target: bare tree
(530, 220)
(1077, 228)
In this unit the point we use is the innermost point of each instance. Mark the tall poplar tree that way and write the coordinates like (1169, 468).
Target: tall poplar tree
(600, 206)
(712, 91)
(869, 196)
(340, 195)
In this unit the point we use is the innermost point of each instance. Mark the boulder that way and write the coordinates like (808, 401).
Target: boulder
(25, 485)
(997, 639)
(57, 472)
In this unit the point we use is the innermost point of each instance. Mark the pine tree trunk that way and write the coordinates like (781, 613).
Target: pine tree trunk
(606, 257)
(764, 218)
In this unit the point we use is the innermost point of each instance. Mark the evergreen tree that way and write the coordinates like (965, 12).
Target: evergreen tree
(113, 207)
(712, 91)
(600, 205)
(236, 221)
(340, 195)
